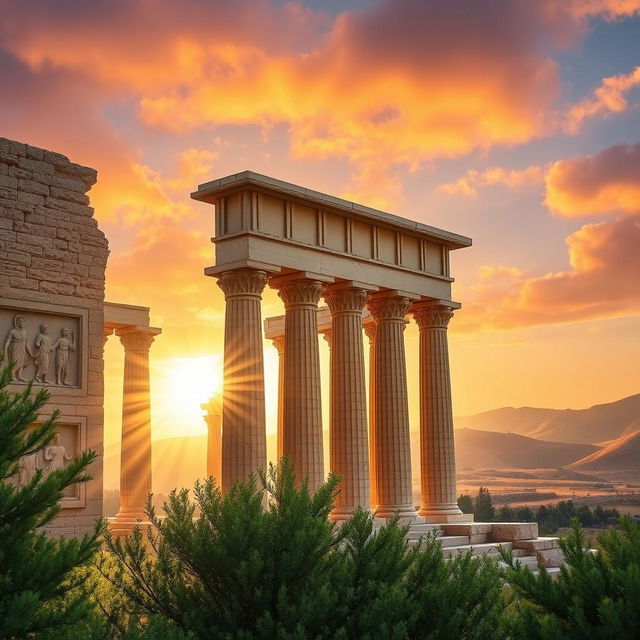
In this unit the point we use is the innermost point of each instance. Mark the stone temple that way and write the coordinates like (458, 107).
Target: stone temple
(375, 272)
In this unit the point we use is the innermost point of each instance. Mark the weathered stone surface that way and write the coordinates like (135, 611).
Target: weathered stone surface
(44, 210)
(537, 544)
(509, 531)
(550, 557)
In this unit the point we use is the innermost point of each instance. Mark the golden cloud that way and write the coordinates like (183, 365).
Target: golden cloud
(469, 184)
(602, 283)
(608, 98)
(606, 182)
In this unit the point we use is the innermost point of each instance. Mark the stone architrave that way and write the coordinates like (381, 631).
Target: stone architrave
(278, 343)
(302, 414)
(348, 427)
(393, 452)
(135, 470)
(437, 448)
(244, 446)
(370, 331)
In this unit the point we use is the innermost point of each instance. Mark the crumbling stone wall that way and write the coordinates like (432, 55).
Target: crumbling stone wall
(52, 272)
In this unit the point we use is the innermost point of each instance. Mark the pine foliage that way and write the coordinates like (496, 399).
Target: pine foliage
(225, 567)
(596, 595)
(39, 579)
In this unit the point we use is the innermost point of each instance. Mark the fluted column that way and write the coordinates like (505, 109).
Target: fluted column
(278, 343)
(302, 415)
(393, 452)
(244, 445)
(437, 448)
(370, 331)
(348, 428)
(213, 418)
(135, 451)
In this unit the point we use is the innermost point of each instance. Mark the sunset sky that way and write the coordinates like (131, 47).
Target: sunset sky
(516, 123)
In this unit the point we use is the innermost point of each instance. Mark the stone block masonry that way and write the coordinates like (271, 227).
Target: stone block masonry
(53, 258)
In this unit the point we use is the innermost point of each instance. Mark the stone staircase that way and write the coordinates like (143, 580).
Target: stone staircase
(484, 538)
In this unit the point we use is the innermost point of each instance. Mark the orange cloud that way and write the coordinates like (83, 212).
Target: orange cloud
(602, 283)
(608, 98)
(606, 182)
(469, 184)
(396, 83)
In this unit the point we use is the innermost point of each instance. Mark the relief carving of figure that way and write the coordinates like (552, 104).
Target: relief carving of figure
(63, 346)
(27, 469)
(16, 347)
(42, 353)
(55, 454)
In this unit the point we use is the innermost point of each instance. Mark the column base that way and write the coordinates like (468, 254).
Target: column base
(406, 512)
(121, 527)
(444, 513)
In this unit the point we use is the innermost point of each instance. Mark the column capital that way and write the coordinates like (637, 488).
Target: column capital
(137, 338)
(388, 306)
(300, 292)
(369, 327)
(429, 315)
(278, 343)
(242, 283)
(326, 334)
(345, 300)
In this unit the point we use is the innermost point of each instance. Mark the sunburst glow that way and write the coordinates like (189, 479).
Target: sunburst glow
(183, 385)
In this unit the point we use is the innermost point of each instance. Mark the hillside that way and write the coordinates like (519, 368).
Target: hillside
(597, 424)
(489, 449)
(622, 455)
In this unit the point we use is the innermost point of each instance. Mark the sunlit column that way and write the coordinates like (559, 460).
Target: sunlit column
(244, 445)
(370, 330)
(302, 415)
(348, 427)
(437, 448)
(213, 418)
(393, 453)
(135, 452)
(278, 343)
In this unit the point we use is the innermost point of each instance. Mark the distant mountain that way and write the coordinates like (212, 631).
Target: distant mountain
(490, 449)
(597, 424)
(619, 456)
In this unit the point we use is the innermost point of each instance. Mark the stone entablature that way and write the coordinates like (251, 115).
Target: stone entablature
(52, 264)
(258, 217)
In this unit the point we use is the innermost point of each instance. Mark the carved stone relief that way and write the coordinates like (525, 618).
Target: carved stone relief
(43, 346)
(65, 445)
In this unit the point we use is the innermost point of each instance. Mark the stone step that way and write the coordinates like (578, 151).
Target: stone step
(445, 541)
(477, 549)
(552, 571)
(537, 544)
(528, 561)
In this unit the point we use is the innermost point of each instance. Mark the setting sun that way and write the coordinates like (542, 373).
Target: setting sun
(182, 385)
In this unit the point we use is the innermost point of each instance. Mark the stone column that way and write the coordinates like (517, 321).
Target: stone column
(135, 451)
(244, 444)
(437, 449)
(370, 330)
(278, 343)
(348, 429)
(302, 415)
(213, 418)
(393, 452)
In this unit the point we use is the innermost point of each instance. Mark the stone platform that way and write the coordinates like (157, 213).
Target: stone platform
(485, 538)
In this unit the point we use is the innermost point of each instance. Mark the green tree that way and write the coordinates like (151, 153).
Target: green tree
(39, 576)
(595, 595)
(225, 567)
(465, 503)
(483, 509)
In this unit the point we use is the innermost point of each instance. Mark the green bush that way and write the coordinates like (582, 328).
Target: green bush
(40, 577)
(224, 567)
(595, 596)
